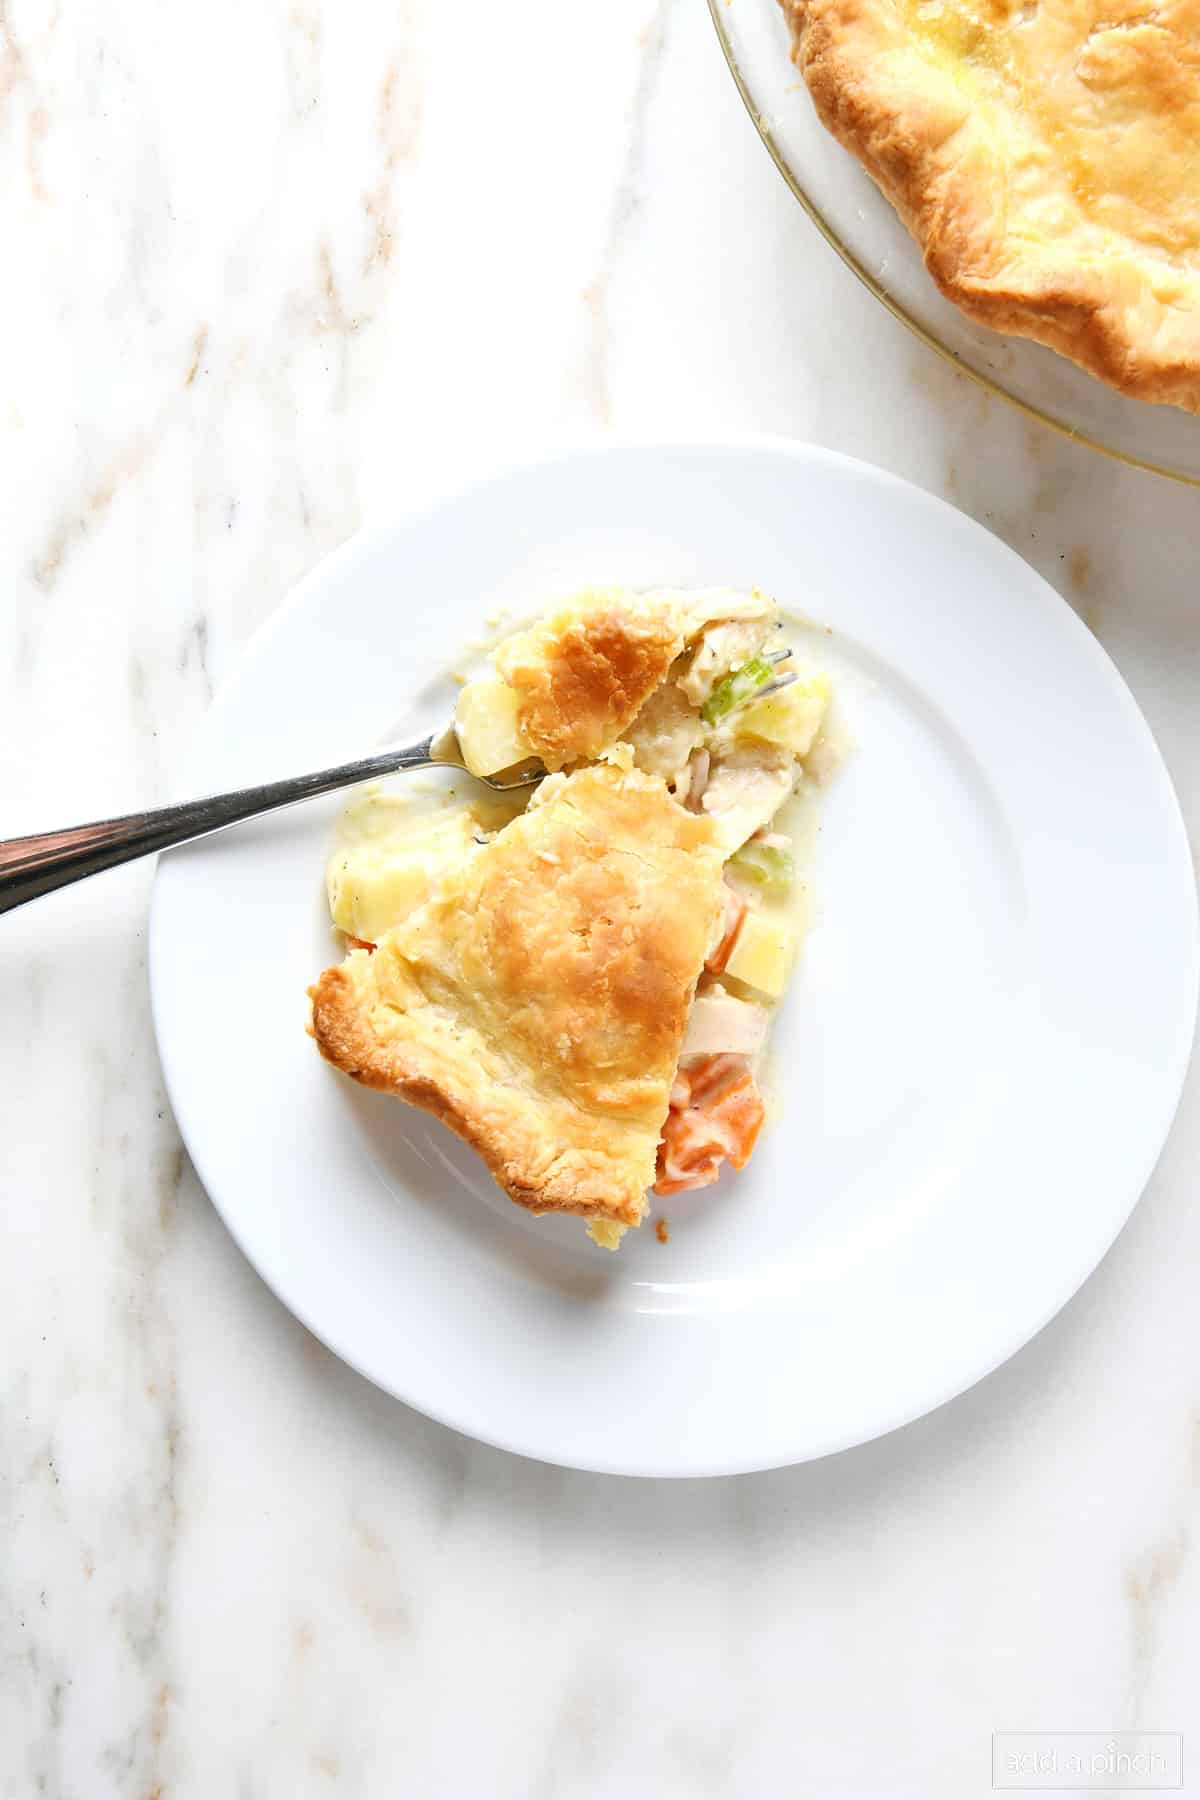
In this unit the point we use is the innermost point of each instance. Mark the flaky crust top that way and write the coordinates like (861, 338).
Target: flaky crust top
(537, 1001)
(1046, 156)
(582, 674)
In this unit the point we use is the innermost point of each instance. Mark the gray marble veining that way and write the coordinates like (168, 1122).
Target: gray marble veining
(269, 272)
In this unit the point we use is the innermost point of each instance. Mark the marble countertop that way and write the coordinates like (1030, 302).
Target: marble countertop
(270, 271)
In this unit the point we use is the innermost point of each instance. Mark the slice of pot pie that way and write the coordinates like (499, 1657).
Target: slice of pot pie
(583, 992)
(1045, 154)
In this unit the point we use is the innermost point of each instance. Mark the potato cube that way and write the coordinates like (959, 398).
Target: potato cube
(763, 954)
(372, 887)
(790, 718)
(486, 722)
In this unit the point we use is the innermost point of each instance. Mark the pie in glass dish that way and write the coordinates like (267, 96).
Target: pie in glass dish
(1045, 154)
(583, 989)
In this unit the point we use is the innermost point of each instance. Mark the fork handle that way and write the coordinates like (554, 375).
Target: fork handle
(30, 866)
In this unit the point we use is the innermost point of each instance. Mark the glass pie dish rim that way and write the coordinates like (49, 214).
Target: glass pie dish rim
(1054, 421)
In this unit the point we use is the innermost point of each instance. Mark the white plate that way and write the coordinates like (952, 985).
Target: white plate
(846, 205)
(979, 1058)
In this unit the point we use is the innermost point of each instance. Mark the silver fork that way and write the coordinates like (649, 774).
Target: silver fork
(31, 866)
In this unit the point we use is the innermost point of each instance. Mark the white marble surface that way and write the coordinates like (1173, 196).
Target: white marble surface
(269, 270)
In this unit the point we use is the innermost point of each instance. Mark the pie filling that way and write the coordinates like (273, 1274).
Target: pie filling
(673, 700)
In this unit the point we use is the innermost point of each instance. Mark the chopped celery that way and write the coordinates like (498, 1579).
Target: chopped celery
(735, 689)
(766, 865)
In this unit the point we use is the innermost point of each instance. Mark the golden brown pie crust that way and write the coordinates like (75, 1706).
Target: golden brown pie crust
(537, 1001)
(582, 676)
(1045, 154)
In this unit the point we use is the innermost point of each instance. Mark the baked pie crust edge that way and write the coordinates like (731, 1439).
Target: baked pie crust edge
(1130, 318)
(537, 1002)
